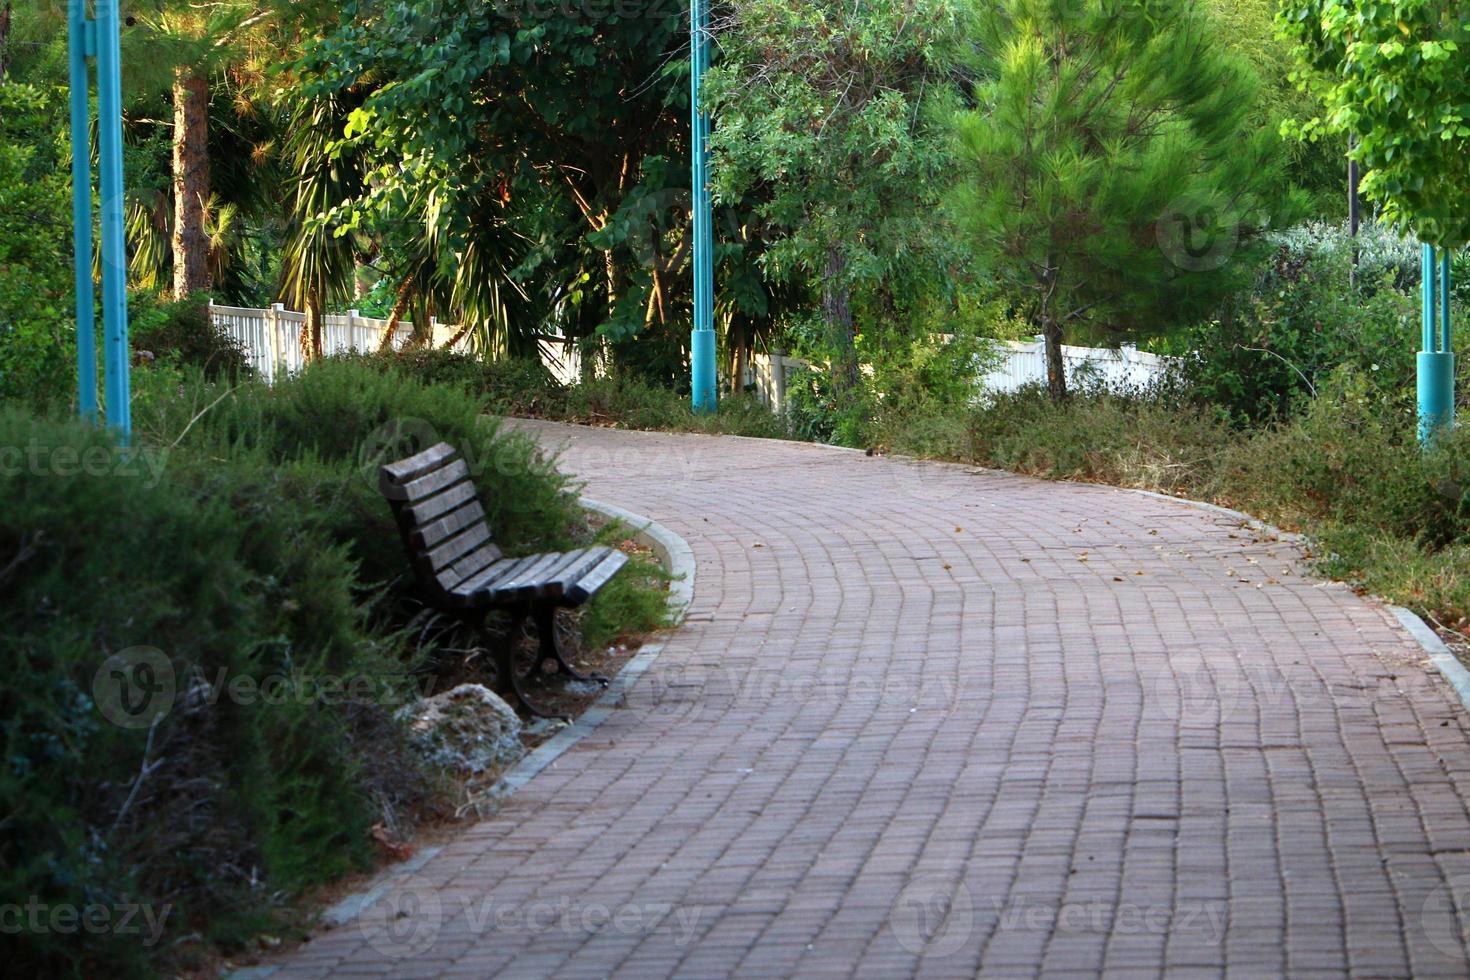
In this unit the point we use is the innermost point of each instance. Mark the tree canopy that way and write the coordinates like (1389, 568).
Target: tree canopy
(1392, 73)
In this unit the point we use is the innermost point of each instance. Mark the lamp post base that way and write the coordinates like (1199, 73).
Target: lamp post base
(702, 365)
(1436, 394)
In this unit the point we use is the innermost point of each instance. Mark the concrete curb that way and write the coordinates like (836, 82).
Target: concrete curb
(1440, 658)
(678, 559)
(673, 551)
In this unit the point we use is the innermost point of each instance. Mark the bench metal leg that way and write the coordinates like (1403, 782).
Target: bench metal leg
(505, 666)
(545, 616)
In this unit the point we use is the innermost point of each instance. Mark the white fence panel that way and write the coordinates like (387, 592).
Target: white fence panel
(272, 338)
(1024, 362)
(272, 341)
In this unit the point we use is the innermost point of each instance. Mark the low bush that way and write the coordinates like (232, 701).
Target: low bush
(239, 550)
(37, 312)
(182, 333)
(1308, 313)
(218, 597)
(524, 388)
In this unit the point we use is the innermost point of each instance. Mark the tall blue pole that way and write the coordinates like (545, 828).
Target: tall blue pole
(1437, 359)
(114, 251)
(82, 43)
(702, 342)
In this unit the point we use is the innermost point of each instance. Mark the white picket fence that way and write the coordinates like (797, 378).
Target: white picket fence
(1024, 362)
(272, 338)
(272, 341)
(1017, 364)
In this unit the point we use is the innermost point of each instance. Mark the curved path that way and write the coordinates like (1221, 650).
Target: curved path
(924, 719)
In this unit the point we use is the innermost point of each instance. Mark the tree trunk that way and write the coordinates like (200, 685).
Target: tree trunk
(1056, 368)
(837, 309)
(400, 303)
(4, 39)
(739, 353)
(311, 330)
(191, 183)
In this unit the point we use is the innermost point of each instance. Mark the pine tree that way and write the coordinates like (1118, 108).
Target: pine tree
(1112, 170)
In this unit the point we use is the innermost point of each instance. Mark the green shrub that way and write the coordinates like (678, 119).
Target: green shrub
(1150, 442)
(632, 404)
(37, 315)
(183, 333)
(226, 799)
(261, 550)
(346, 418)
(1306, 315)
(634, 603)
(522, 387)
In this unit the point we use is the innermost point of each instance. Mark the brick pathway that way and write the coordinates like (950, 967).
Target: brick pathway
(928, 720)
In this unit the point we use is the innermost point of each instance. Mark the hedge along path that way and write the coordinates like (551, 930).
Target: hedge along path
(925, 719)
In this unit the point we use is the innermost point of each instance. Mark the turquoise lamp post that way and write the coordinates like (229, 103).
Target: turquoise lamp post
(98, 39)
(702, 342)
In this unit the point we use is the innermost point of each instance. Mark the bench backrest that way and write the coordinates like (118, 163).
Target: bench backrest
(439, 515)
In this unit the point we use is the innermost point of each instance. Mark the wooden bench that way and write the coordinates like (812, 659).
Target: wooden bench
(463, 573)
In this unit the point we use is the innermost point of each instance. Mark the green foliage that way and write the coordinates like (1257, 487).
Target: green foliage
(229, 797)
(1392, 72)
(182, 333)
(494, 141)
(1150, 442)
(37, 318)
(915, 393)
(1308, 313)
(831, 114)
(1112, 167)
(522, 387)
(634, 604)
(261, 554)
(350, 417)
(1248, 29)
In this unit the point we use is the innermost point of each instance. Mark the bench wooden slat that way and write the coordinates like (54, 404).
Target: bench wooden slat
(588, 585)
(512, 586)
(437, 532)
(540, 585)
(471, 564)
(427, 510)
(439, 480)
(487, 576)
(416, 466)
(461, 588)
(459, 546)
(564, 578)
